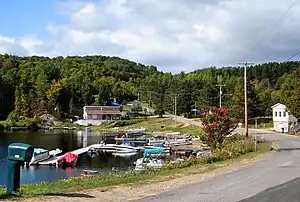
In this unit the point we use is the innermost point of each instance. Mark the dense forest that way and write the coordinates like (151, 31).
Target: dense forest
(31, 86)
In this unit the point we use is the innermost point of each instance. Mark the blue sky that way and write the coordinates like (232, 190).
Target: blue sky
(27, 17)
(175, 35)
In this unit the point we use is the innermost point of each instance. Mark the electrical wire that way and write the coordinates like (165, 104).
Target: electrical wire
(291, 57)
(271, 29)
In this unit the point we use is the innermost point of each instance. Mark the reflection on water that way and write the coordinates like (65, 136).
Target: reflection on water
(66, 141)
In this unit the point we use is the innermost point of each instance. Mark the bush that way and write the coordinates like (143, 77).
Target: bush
(21, 121)
(233, 147)
(216, 125)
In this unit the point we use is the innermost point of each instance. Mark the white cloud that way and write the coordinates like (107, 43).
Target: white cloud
(175, 35)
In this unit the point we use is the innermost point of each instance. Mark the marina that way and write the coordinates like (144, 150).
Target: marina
(75, 153)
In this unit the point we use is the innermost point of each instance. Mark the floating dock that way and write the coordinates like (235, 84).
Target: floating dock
(115, 149)
(53, 161)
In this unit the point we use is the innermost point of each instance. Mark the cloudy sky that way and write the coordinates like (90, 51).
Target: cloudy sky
(174, 35)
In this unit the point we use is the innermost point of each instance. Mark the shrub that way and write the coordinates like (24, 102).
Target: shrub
(216, 125)
(233, 147)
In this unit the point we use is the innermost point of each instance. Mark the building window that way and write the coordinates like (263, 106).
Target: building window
(275, 114)
(284, 114)
(279, 114)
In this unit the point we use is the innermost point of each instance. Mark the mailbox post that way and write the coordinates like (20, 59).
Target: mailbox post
(18, 153)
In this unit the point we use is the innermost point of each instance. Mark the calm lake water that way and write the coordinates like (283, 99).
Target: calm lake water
(66, 141)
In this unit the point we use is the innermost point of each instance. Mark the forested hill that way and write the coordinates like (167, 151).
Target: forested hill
(35, 85)
(31, 86)
(199, 88)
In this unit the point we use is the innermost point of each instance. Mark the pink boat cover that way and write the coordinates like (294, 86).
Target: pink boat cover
(68, 157)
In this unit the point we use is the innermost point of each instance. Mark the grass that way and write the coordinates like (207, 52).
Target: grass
(262, 125)
(153, 125)
(126, 108)
(191, 167)
(156, 124)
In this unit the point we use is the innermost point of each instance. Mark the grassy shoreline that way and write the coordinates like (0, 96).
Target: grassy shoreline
(191, 167)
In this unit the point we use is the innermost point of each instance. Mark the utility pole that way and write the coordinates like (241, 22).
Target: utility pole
(220, 85)
(150, 99)
(245, 92)
(175, 109)
(195, 109)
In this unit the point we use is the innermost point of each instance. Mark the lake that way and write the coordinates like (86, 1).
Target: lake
(66, 141)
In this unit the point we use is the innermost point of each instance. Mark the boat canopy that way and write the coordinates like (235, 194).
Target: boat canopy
(69, 157)
(149, 151)
(37, 151)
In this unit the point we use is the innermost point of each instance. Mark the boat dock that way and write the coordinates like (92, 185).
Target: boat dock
(53, 161)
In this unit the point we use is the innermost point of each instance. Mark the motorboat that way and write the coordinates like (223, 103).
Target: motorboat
(125, 149)
(167, 149)
(138, 131)
(143, 164)
(40, 154)
(148, 162)
(170, 142)
(178, 142)
(87, 173)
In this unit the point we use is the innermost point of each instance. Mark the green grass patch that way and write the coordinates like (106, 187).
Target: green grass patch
(126, 108)
(151, 125)
(165, 124)
(188, 167)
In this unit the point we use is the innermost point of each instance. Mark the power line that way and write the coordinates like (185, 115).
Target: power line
(273, 27)
(291, 57)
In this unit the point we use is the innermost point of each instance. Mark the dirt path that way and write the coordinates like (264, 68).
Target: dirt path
(135, 191)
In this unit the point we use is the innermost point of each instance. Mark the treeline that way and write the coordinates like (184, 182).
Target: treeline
(200, 88)
(31, 86)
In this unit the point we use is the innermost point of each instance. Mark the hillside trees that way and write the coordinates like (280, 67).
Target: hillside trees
(31, 86)
(290, 93)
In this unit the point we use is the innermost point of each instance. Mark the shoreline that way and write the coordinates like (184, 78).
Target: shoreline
(108, 181)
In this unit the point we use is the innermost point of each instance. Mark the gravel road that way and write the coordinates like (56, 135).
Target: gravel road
(274, 178)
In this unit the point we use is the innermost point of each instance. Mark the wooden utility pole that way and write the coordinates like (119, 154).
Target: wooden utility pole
(175, 109)
(245, 94)
(150, 99)
(220, 85)
(195, 109)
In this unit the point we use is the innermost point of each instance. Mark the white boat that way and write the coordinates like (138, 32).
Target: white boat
(170, 142)
(117, 149)
(55, 152)
(123, 154)
(40, 154)
(136, 131)
(144, 164)
(178, 142)
(147, 162)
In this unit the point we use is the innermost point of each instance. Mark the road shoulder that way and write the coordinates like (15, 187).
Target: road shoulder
(140, 190)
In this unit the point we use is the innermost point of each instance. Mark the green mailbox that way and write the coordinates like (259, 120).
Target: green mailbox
(18, 153)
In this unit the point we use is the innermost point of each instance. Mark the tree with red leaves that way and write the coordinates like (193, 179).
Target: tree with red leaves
(217, 125)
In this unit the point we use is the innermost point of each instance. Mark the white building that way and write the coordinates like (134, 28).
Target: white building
(282, 120)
